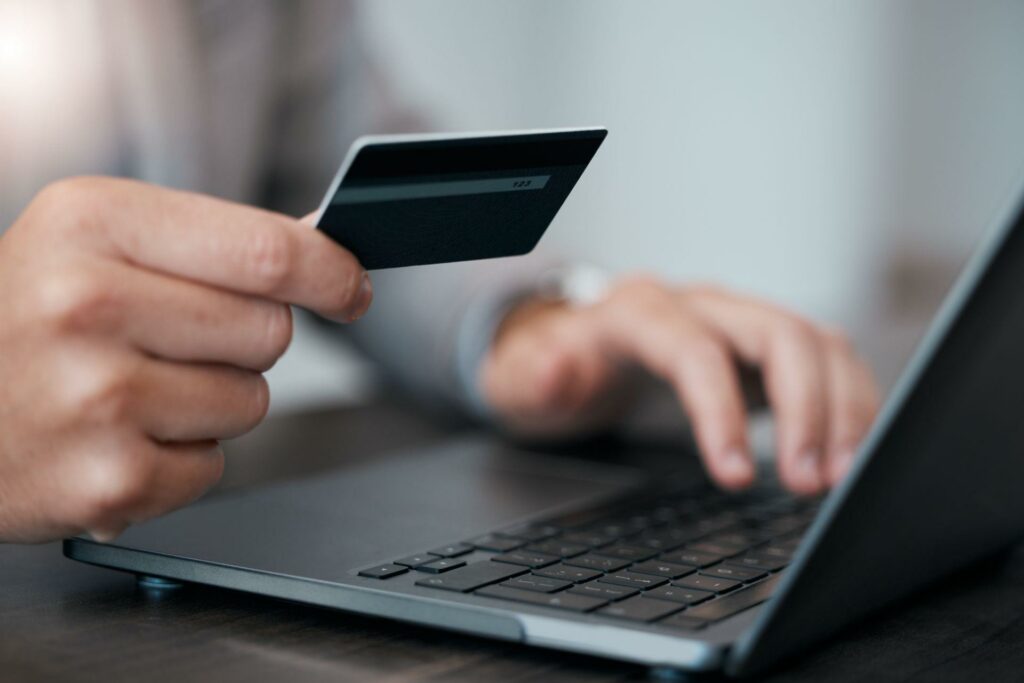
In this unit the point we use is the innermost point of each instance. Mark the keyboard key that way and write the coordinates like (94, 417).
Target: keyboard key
(707, 583)
(541, 584)
(603, 564)
(605, 591)
(471, 577)
(685, 531)
(414, 561)
(440, 565)
(693, 558)
(631, 580)
(668, 570)
(716, 549)
(664, 513)
(555, 546)
(384, 571)
(531, 532)
(453, 550)
(497, 544)
(567, 601)
(662, 541)
(737, 539)
(790, 544)
(756, 560)
(566, 573)
(731, 571)
(686, 596)
(592, 539)
(785, 525)
(640, 608)
(615, 528)
(526, 558)
(683, 622)
(630, 553)
(775, 551)
(735, 602)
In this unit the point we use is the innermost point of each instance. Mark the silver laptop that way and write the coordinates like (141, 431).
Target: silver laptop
(613, 561)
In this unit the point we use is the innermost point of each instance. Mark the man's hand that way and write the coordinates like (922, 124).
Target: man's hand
(135, 323)
(553, 369)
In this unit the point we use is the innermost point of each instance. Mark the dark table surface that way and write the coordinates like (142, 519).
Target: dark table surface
(62, 620)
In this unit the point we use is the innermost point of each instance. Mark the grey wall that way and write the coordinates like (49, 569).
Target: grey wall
(786, 148)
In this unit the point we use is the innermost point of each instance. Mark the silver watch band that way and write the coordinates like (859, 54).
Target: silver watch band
(577, 284)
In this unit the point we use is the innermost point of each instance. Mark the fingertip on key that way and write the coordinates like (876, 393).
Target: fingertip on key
(804, 474)
(736, 469)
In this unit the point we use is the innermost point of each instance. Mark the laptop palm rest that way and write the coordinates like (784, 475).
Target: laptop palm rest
(323, 527)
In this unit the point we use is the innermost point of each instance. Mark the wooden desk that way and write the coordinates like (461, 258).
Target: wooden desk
(64, 621)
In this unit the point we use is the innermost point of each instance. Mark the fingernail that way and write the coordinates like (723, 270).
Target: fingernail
(736, 463)
(363, 298)
(809, 464)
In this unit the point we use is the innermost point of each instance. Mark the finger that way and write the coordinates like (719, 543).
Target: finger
(228, 245)
(568, 367)
(791, 358)
(549, 376)
(139, 480)
(181, 320)
(853, 403)
(529, 376)
(182, 472)
(797, 386)
(643, 322)
(182, 402)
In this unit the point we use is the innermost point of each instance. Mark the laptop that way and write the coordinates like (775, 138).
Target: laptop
(615, 561)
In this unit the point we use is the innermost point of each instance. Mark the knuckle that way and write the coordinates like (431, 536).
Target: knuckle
(75, 299)
(269, 259)
(788, 326)
(70, 203)
(116, 483)
(837, 339)
(704, 350)
(100, 393)
(639, 293)
(639, 285)
(703, 290)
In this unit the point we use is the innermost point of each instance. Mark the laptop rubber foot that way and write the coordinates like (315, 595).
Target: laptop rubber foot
(668, 674)
(156, 582)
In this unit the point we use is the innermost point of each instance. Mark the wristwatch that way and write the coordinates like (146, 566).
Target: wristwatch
(576, 284)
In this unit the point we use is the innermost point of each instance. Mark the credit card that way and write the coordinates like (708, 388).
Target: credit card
(411, 200)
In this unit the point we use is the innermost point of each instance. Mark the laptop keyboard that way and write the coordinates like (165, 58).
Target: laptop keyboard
(682, 560)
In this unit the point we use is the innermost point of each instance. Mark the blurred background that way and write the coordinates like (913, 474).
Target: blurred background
(842, 158)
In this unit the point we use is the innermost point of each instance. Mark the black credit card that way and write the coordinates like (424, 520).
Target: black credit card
(410, 200)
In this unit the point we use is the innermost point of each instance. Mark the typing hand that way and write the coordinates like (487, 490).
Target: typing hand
(554, 369)
(135, 323)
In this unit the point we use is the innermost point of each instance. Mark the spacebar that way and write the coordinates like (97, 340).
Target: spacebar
(735, 602)
(472, 577)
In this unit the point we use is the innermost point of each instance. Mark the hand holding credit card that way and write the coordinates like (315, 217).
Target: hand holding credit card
(409, 200)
